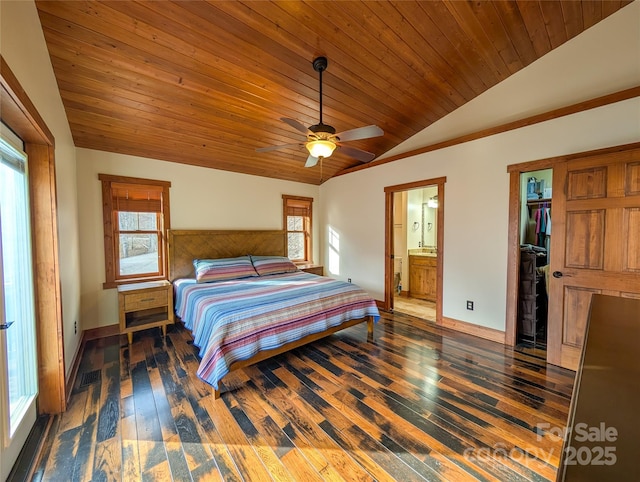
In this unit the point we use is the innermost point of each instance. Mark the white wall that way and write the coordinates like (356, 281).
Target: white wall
(23, 47)
(477, 187)
(200, 198)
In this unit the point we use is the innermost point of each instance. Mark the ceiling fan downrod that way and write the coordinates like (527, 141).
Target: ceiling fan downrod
(320, 65)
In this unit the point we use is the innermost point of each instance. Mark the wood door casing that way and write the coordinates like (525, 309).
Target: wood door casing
(18, 112)
(389, 191)
(595, 244)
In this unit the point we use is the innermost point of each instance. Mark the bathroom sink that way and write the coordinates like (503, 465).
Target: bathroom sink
(423, 252)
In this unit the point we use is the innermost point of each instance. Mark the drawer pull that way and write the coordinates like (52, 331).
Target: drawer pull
(148, 299)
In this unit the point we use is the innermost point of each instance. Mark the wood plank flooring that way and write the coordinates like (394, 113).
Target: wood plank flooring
(419, 403)
(415, 307)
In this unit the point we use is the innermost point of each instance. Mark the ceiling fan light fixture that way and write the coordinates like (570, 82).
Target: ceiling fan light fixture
(320, 148)
(322, 139)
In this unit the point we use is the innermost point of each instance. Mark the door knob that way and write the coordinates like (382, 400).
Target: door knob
(557, 274)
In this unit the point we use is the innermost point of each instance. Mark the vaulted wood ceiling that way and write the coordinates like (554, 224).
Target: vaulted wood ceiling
(206, 83)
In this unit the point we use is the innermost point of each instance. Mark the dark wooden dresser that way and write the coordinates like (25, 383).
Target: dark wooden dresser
(603, 441)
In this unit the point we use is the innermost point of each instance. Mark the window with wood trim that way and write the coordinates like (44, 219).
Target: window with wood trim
(297, 223)
(136, 218)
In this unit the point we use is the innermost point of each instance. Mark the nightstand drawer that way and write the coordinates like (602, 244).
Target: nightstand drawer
(148, 299)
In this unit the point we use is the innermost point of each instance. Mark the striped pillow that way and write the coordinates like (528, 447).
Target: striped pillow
(208, 270)
(266, 265)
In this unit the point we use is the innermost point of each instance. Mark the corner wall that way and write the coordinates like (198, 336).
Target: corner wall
(603, 59)
(200, 198)
(23, 47)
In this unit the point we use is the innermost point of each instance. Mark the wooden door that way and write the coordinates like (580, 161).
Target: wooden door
(18, 343)
(595, 244)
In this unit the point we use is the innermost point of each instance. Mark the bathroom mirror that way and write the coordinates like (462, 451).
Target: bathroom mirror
(429, 224)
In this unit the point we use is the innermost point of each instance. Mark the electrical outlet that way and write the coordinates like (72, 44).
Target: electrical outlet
(348, 280)
(75, 327)
(470, 305)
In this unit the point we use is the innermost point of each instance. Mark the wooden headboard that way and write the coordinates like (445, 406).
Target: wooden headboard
(187, 245)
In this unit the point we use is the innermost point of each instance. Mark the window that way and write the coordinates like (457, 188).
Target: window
(297, 223)
(136, 216)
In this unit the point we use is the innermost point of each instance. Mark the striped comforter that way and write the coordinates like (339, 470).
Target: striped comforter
(233, 320)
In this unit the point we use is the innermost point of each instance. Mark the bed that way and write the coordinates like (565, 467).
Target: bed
(246, 302)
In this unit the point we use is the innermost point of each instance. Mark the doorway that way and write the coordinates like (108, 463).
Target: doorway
(533, 268)
(18, 364)
(414, 248)
(595, 245)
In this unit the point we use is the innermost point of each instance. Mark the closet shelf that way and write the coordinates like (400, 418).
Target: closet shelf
(533, 202)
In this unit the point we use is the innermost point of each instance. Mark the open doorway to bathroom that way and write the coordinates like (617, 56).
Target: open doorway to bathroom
(415, 245)
(415, 218)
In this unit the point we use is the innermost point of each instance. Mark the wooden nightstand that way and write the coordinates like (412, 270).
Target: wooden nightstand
(145, 305)
(312, 268)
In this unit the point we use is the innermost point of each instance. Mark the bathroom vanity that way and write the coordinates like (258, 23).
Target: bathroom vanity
(423, 265)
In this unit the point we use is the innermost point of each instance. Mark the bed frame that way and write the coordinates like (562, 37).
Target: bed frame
(186, 245)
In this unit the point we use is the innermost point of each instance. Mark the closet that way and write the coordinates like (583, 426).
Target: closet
(532, 295)
(534, 258)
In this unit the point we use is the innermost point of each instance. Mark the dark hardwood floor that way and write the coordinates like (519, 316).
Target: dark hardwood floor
(419, 403)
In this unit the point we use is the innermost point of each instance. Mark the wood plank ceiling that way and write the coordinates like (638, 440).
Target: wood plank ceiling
(206, 83)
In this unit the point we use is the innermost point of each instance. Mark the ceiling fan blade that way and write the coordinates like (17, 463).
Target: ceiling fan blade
(359, 154)
(360, 133)
(275, 148)
(295, 124)
(311, 161)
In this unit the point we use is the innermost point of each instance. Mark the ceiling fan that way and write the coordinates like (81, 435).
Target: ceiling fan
(322, 139)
